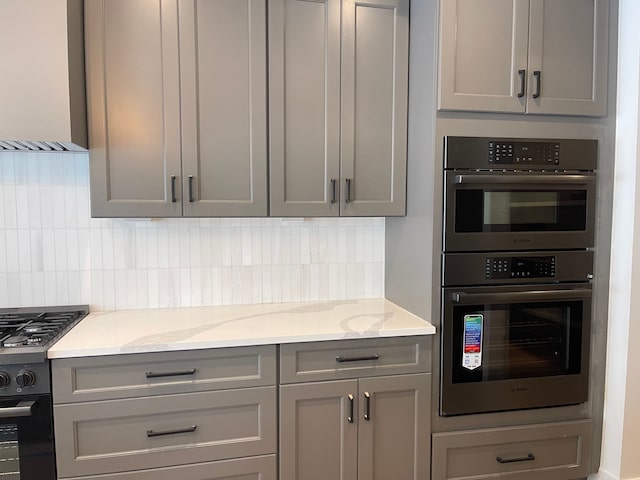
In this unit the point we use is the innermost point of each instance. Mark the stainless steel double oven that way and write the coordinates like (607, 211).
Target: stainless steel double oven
(517, 265)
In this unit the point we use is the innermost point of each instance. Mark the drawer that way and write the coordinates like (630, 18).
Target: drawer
(145, 374)
(255, 468)
(152, 432)
(336, 360)
(551, 451)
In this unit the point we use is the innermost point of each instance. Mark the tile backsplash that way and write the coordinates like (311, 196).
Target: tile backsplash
(53, 253)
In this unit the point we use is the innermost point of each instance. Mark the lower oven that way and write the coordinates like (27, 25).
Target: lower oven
(26, 438)
(516, 342)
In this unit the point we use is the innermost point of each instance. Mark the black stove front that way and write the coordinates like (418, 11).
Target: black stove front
(26, 412)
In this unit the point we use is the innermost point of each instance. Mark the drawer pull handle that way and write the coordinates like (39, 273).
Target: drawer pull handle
(528, 458)
(340, 359)
(170, 374)
(367, 406)
(351, 401)
(191, 429)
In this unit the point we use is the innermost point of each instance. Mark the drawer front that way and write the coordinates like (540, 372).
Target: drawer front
(141, 375)
(550, 451)
(337, 360)
(151, 432)
(256, 468)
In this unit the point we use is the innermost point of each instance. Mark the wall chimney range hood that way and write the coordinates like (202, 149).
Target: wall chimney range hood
(42, 83)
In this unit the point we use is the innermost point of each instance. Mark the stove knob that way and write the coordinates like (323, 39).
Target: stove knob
(25, 378)
(5, 380)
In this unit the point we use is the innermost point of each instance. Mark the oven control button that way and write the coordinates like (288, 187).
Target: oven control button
(5, 380)
(26, 378)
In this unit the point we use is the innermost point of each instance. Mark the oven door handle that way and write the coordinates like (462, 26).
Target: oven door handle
(529, 296)
(23, 409)
(525, 179)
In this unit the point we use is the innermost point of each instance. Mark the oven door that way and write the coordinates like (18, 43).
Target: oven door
(26, 438)
(518, 211)
(507, 348)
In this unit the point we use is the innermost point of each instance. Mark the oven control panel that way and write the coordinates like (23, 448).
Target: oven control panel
(524, 153)
(498, 268)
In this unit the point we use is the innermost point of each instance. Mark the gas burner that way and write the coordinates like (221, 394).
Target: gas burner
(31, 330)
(15, 341)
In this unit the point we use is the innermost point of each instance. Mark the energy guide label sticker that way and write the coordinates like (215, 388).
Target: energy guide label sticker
(472, 342)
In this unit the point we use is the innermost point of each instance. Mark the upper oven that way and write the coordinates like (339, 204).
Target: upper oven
(519, 194)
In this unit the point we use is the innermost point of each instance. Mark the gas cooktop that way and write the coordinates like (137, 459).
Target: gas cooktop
(26, 333)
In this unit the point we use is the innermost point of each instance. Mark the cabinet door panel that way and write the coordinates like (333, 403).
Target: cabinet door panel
(374, 107)
(134, 107)
(224, 107)
(568, 46)
(482, 50)
(316, 440)
(393, 439)
(304, 108)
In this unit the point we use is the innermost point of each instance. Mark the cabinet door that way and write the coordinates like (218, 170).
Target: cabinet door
(394, 427)
(304, 107)
(224, 107)
(134, 107)
(483, 55)
(375, 49)
(568, 48)
(318, 431)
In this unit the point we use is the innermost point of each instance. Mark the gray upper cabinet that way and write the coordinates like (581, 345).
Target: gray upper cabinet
(338, 107)
(542, 57)
(133, 90)
(223, 62)
(177, 102)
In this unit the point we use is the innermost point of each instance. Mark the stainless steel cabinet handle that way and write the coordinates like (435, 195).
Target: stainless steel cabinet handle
(191, 200)
(351, 401)
(519, 180)
(22, 409)
(170, 374)
(367, 406)
(333, 190)
(162, 433)
(348, 193)
(173, 189)
(528, 458)
(523, 82)
(528, 296)
(537, 74)
(340, 359)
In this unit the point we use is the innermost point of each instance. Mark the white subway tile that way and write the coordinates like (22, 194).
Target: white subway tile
(24, 250)
(4, 291)
(12, 250)
(9, 203)
(33, 205)
(153, 297)
(51, 296)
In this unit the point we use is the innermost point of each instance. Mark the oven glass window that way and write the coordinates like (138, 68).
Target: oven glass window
(500, 210)
(9, 452)
(519, 340)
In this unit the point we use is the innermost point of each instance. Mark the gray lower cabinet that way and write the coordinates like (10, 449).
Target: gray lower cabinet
(167, 413)
(256, 468)
(361, 429)
(553, 451)
(338, 74)
(177, 106)
(355, 409)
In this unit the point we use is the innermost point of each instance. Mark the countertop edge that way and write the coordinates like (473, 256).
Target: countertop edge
(428, 330)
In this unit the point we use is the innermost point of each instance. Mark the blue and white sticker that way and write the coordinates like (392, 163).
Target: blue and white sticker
(472, 341)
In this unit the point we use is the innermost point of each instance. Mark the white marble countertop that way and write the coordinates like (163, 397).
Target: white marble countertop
(138, 331)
